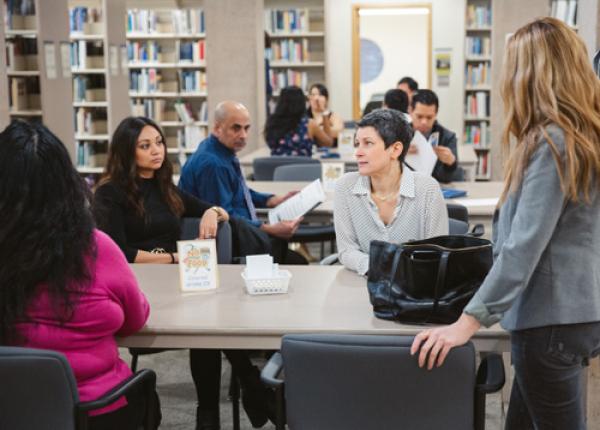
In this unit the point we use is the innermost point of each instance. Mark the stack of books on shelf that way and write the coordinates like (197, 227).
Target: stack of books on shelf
(21, 54)
(482, 170)
(477, 105)
(291, 50)
(92, 155)
(85, 20)
(24, 94)
(89, 88)
(19, 14)
(151, 108)
(478, 46)
(565, 10)
(179, 21)
(284, 78)
(90, 122)
(87, 55)
(192, 52)
(140, 52)
(287, 21)
(477, 75)
(479, 16)
(144, 81)
(478, 135)
(193, 81)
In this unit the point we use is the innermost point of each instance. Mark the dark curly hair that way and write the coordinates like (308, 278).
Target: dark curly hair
(121, 168)
(322, 89)
(289, 111)
(46, 233)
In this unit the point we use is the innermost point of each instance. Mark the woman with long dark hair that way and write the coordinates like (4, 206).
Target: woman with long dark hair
(138, 205)
(63, 285)
(544, 286)
(318, 109)
(289, 131)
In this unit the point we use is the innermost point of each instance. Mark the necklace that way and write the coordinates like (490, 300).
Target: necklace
(384, 198)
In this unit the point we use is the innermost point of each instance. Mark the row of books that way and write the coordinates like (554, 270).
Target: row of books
(178, 21)
(143, 51)
(19, 14)
(192, 51)
(477, 104)
(482, 169)
(284, 21)
(477, 74)
(80, 17)
(479, 16)
(24, 94)
(151, 80)
(160, 110)
(284, 78)
(151, 108)
(90, 121)
(478, 46)
(186, 114)
(90, 88)
(21, 54)
(289, 50)
(92, 154)
(565, 10)
(87, 55)
(478, 135)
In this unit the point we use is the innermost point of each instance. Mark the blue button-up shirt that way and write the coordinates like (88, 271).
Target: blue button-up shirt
(213, 174)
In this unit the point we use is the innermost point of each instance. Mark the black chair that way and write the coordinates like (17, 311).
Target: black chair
(460, 212)
(38, 391)
(265, 166)
(372, 382)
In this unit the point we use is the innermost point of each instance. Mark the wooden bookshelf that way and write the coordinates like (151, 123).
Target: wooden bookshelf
(32, 79)
(100, 79)
(478, 84)
(566, 11)
(297, 52)
(166, 51)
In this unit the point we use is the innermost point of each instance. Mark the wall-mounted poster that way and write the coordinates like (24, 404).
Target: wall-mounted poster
(443, 66)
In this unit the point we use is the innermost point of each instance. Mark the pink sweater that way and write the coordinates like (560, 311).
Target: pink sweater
(113, 305)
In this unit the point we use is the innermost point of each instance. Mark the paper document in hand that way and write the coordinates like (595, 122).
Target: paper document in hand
(423, 161)
(299, 204)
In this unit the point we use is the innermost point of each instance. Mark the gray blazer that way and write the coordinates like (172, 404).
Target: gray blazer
(546, 253)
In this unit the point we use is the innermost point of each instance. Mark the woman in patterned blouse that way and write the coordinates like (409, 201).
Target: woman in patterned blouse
(289, 131)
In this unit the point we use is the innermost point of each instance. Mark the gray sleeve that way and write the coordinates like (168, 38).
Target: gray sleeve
(349, 252)
(538, 210)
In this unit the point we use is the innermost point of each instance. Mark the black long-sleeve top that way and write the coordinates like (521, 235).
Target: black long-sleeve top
(158, 228)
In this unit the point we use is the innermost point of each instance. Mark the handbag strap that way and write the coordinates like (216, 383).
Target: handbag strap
(441, 278)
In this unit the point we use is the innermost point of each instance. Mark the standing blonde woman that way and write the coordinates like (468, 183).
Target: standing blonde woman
(544, 286)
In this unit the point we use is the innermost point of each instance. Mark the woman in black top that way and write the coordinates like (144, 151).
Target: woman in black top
(138, 205)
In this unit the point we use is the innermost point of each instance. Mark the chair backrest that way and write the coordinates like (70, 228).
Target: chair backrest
(456, 226)
(459, 212)
(265, 166)
(297, 172)
(372, 382)
(37, 390)
(190, 229)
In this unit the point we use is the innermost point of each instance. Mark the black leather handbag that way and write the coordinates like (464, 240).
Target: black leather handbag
(426, 281)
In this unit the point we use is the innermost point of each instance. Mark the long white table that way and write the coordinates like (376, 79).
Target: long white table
(321, 299)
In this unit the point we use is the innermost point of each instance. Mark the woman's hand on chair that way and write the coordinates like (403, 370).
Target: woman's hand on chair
(435, 343)
(209, 224)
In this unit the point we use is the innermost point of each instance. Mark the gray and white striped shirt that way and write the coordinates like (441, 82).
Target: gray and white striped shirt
(420, 213)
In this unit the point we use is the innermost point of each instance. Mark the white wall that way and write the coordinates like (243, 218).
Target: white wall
(448, 31)
(404, 41)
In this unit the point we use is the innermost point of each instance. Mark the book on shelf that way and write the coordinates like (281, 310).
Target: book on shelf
(144, 81)
(292, 50)
(478, 46)
(193, 52)
(147, 51)
(478, 135)
(287, 21)
(85, 20)
(21, 54)
(19, 14)
(482, 169)
(192, 80)
(89, 122)
(283, 78)
(478, 16)
(565, 10)
(24, 94)
(92, 154)
(89, 88)
(477, 105)
(151, 108)
(87, 55)
(178, 21)
(477, 74)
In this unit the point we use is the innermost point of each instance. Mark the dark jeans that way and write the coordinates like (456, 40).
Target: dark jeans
(129, 417)
(206, 372)
(548, 388)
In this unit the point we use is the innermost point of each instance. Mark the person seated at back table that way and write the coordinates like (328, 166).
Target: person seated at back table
(410, 87)
(64, 285)
(289, 130)
(138, 205)
(383, 200)
(398, 100)
(318, 109)
(213, 173)
(424, 112)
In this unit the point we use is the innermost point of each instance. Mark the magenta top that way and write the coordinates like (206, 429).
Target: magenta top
(113, 305)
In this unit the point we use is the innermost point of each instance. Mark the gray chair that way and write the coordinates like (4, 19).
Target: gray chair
(265, 166)
(372, 382)
(460, 212)
(297, 172)
(39, 391)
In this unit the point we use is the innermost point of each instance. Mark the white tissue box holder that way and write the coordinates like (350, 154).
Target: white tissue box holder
(278, 283)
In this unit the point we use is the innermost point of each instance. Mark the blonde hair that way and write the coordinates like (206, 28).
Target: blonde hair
(547, 78)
